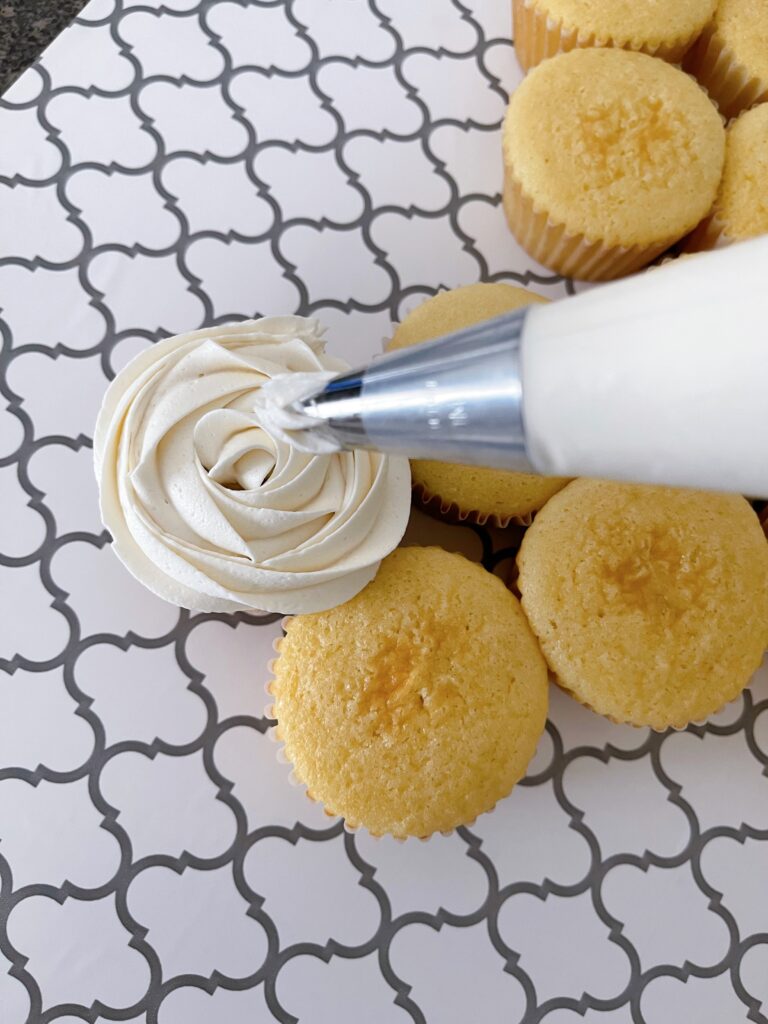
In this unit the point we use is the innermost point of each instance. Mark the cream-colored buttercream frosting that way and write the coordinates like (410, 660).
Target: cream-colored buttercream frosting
(210, 511)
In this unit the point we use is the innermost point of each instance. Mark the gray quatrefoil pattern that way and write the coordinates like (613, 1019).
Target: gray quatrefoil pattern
(169, 165)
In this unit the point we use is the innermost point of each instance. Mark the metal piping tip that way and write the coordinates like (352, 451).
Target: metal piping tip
(455, 399)
(338, 410)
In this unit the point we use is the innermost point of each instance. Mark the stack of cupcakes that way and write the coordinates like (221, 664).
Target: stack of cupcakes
(411, 693)
(418, 705)
(612, 155)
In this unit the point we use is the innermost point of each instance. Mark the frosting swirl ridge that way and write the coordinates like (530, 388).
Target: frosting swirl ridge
(212, 512)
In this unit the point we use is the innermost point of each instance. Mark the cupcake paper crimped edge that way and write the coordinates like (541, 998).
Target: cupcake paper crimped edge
(538, 35)
(451, 512)
(678, 726)
(273, 734)
(572, 255)
(728, 83)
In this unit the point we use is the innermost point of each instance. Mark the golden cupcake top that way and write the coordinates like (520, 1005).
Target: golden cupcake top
(615, 145)
(742, 202)
(497, 493)
(650, 603)
(417, 705)
(489, 492)
(459, 308)
(632, 22)
(743, 27)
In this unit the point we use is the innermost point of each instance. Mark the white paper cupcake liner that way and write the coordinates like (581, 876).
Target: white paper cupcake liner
(572, 255)
(538, 35)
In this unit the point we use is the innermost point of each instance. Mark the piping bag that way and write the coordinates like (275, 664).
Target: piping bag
(659, 378)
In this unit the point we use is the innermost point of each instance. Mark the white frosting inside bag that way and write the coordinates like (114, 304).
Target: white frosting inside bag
(213, 512)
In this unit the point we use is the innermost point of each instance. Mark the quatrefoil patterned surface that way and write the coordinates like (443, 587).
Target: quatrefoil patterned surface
(169, 165)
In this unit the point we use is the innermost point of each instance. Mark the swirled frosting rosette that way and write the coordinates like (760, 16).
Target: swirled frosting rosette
(208, 509)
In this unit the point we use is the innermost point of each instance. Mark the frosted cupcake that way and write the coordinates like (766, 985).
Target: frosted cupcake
(472, 493)
(609, 158)
(417, 705)
(741, 207)
(210, 511)
(731, 57)
(543, 28)
(650, 604)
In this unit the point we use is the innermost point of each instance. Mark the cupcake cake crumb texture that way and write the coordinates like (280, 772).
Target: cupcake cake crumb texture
(650, 603)
(417, 705)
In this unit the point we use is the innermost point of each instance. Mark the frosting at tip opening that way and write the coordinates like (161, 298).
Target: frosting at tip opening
(209, 502)
(274, 405)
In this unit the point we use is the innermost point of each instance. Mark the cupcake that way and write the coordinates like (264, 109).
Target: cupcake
(471, 493)
(210, 511)
(730, 58)
(741, 207)
(543, 28)
(418, 704)
(650, 603)
(609, 158)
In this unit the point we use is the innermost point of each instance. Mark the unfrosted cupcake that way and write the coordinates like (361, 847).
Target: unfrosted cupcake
(543, 28)
(741, 207)
(417, 705)
(610, 157)
(472, 493)
(650, 604)
(730, 58)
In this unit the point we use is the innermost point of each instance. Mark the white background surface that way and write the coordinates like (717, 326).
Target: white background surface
(165, 167)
